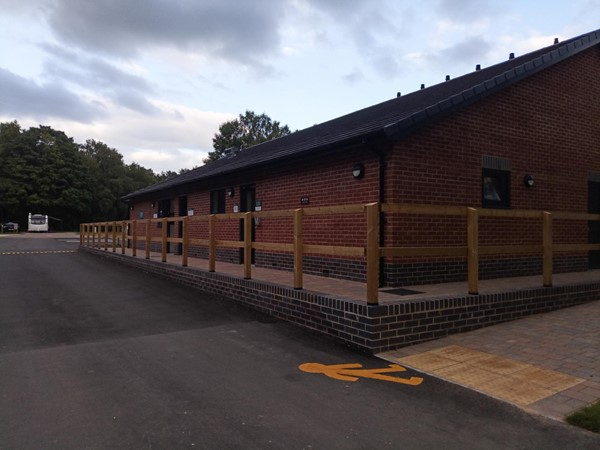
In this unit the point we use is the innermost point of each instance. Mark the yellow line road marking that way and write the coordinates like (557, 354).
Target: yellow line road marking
(352, 372)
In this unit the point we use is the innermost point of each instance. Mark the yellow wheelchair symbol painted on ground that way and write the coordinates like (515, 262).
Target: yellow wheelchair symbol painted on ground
(352, 372)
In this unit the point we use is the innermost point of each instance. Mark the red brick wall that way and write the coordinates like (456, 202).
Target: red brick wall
(547, 125)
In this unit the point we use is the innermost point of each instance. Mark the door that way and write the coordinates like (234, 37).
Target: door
(165, 209)
(594, 226)
(247, 203)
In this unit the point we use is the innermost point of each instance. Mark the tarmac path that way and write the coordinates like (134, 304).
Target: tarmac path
(95, 355)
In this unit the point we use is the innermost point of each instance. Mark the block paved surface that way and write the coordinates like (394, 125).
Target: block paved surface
(547, 363)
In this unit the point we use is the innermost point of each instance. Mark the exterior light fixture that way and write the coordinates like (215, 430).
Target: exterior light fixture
(358, 171)
(529, 181)
(230, 192)
(153, 204)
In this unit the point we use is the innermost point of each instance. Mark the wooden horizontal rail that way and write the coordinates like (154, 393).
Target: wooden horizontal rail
(202, 242)
(423, 251)
(341, 209)
(200, 218)
(333, 250)
(509, 249)
(432, 210)
(510, 213)
(130, 233)
(229, 244)
(575, 247)
(273, 247)
(229, 216)
(564, 215)
(274, 214)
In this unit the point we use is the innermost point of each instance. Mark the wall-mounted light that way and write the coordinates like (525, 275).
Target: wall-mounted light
(529, 181)
(358, 171)
(153, 204)
(230, 192)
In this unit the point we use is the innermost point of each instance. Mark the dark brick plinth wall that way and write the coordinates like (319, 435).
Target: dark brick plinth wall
(376, 328)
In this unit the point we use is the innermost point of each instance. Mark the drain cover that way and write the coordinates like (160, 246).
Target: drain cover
(401, 291)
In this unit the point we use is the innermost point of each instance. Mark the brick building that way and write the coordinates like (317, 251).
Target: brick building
(523, 134)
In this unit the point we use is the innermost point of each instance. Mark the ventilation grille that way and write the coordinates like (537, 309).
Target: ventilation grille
(496, 163)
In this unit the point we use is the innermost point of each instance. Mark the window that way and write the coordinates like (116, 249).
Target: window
(495, 182)
(165, 208)
(495, 189)
(217, 201)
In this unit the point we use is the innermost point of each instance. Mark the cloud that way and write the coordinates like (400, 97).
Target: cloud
(96, 75)
(354, 77)
(230, 30)
(467, 11)
(179, 137)
(374, 29)
(22, 96)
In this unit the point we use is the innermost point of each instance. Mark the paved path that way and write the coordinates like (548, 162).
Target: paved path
(355, 290)
(547, 363)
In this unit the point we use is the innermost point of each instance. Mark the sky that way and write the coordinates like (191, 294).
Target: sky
(154, 79)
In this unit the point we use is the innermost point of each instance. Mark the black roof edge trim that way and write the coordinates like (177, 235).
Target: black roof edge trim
(492, 85)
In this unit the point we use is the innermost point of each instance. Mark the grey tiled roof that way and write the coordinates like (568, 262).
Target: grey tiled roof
(391, 118)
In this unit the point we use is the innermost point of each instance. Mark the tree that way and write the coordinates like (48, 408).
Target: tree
(44, 171)
(247, 130)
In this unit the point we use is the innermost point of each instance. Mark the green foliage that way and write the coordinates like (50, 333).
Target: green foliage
(247, 130)
(43, 171)
(588, 418)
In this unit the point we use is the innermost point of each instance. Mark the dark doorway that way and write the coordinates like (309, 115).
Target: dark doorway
(594, 226)
(183, 208)
(165, 209)
(247, 203)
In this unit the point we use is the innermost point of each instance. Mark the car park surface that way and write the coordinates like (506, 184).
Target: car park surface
(97, 355)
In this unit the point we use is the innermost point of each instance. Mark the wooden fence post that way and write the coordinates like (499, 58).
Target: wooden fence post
(114, 236)
(93, 235)
(473, 249)
(134, 238)
(372, 211)
(163, 248)
(298, 248)
(105, 236)
(81, 227)
(548, 254)
(148, 238)
(123, 236)
(212, 242)
(185, 241)
(247, 245)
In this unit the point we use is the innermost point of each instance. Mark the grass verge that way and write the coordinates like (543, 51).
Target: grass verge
(588, 418)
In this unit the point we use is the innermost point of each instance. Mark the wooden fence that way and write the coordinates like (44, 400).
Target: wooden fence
(123, 234)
